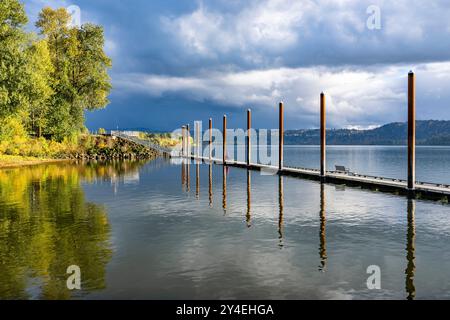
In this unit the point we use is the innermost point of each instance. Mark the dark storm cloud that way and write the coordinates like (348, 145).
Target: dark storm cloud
(181, 60)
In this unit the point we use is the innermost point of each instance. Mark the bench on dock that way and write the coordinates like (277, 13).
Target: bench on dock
(342, 169)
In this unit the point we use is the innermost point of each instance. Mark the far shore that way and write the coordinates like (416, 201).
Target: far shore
(7, 161)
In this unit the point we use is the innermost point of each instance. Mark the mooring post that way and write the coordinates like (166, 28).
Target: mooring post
(188, 143)
(281, 137)
(411, 131)
(210, 139)
(249, 136)
(323, 137)
(197, 139)
(183, 141)
(224, 146)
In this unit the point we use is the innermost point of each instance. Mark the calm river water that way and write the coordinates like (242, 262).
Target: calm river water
(160, 230)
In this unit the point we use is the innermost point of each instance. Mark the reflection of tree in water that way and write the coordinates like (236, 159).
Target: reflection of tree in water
(46, 225)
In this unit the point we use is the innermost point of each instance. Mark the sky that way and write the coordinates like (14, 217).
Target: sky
(175, 62)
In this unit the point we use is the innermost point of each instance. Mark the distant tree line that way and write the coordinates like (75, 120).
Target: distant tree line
(49, 79)
(428, 132)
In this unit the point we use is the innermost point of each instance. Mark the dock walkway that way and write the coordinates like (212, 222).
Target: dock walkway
(422, 189)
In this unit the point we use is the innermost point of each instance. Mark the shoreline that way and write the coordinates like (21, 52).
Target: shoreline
(7, 162)
(91, 148)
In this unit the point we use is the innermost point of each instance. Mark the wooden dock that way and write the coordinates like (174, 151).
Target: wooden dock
(409, 187)
(397, 186)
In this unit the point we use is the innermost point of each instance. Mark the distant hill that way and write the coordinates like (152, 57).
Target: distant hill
(429, 132)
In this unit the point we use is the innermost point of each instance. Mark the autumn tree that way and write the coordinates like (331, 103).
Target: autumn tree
(40, 86)
(81, 80)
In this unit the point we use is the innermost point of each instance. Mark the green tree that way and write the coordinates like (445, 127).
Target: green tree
(13, 60)
(40, 88)
(81, 80)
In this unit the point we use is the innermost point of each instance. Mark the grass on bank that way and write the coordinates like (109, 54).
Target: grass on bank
(7, 161)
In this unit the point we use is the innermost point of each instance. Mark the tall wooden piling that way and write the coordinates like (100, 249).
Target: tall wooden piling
(224, 141)
(249, 136)
(183, 141)
(411, 131)
(210, 139)
(281, 136)
(197, 139)
(323, 136)
(188, 141)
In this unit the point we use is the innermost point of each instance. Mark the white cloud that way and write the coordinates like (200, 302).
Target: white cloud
(271, 25)
(201, 30)
(355, 97)
(269, 32)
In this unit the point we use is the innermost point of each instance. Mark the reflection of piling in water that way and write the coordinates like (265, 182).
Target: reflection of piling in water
(281, 206)
(410, 249)
(224, 189)
(197, 181)
(323, 221)
(183, 176)
(249, 199)
(210, 186)
(188, 173)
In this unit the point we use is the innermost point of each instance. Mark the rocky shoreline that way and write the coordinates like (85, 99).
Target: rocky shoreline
(113, 148)
(90, 148)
